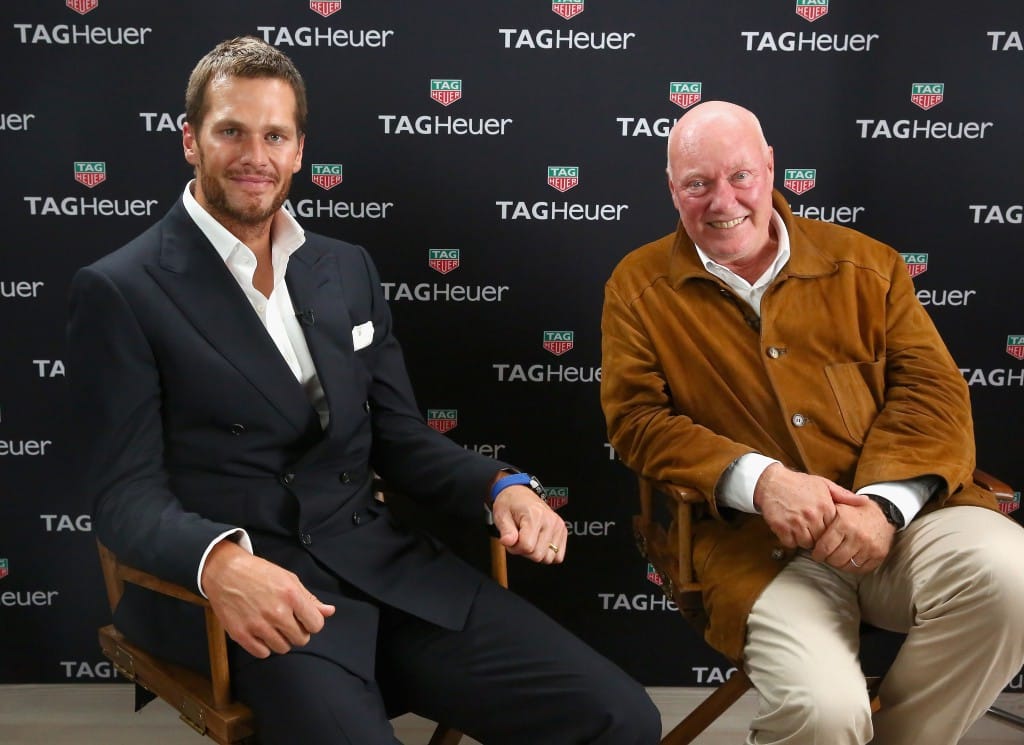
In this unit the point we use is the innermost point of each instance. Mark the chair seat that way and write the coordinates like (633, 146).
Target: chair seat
(189, 692)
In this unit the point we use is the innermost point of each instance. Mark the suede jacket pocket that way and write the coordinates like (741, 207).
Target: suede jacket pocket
(859, 391)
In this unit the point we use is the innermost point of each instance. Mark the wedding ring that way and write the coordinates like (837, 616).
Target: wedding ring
(553, 547)
(855, 563)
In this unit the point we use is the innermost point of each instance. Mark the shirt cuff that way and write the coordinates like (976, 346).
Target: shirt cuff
(736, 487)
(908, 495)
(237, 535)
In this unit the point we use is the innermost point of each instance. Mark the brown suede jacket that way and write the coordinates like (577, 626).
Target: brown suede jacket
(845, 377)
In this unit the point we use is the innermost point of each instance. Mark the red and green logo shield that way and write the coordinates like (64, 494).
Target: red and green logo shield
(563, 178)
(1015, 346)
(1010, 506)
(653, 575)
(811, 10)
(3, 568)
(82, 6)
(445, 91)
(443, 260)
(326, 175)
(443, 420)
(927, 95)
(567, 10)
(916, 263)
(799, 180)
(684, 94)
(325, 7)
(556, 496)
(558, 342)
(90, 172)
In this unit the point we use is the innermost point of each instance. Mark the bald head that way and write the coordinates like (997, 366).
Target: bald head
(709, 119)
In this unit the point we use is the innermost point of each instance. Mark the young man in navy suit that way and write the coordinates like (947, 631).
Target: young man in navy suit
(238, 384)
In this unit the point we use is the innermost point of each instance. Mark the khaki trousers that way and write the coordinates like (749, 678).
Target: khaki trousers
(953, 582)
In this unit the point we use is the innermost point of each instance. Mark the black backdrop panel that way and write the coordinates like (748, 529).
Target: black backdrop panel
(498, 159)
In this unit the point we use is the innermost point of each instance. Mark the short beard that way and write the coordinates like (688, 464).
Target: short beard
(221, 208)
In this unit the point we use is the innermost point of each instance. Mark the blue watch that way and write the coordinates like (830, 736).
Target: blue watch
(517, 478)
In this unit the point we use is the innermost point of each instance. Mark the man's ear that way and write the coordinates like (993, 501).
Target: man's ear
(298, 155)
(190, 144)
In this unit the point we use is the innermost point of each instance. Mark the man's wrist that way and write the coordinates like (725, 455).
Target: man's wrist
(891, 512)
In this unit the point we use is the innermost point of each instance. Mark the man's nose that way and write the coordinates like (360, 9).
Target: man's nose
(254, 150)
(723, 195)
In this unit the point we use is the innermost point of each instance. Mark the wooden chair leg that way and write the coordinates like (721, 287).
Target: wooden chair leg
(1008, 717)
(709, 710)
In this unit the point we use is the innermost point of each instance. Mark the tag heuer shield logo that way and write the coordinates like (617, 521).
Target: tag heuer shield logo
(684, 95)
(82, 6)
(567, 10)
(916, 263)
(1005, 507)
(3, 568)
(327, 175)
(653, 575)
(799, 180)
(443, 260)
(558, 342)
(563, 178)
(90, 172)
(811, 10)
(927, 95)
(443, 420)
(556, 496)
(1015, 346)
(445, 91)
(325, 7)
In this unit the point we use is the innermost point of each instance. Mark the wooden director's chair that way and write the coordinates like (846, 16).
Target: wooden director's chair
(664, 536)
(205, 704)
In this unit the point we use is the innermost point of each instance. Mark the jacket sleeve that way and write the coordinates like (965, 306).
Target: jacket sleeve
(651, 437)
(116, 404)
(925, 417)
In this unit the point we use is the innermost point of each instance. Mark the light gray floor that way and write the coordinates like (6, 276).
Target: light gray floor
(102, 715)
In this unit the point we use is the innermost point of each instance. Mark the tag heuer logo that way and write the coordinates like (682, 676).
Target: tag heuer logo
(443, 420)
(556, 496)
(567, 10)
(811, 10)
(916, 263)
(90, 173)
(327, 175)
(799, 180)
(443, 260)
(927, 95)
(82, 6)
(1015, 346)
(1005, 507)
(3, 568)
(558, 342)
(445, 91)
(324, 7)
(684, 95)
(563, 178)
(653, 575)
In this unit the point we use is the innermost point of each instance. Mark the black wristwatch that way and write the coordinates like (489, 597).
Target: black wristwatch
(891, 511)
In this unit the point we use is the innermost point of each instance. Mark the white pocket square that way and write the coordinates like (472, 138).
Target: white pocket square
(362, 335)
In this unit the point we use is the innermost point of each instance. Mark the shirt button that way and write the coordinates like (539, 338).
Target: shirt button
(777, 553)
(799, 420)
(356, 519)
(287, 478)
(306, 539)
(345, 478)
(774, 353)
(237, 429)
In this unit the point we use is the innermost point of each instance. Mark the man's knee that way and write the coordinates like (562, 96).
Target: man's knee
(630, 717)
(824, 715)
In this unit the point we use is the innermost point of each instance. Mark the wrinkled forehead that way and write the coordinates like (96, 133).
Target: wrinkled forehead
(714, 152)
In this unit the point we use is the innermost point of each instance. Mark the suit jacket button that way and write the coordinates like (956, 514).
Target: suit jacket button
(777, 553)
(237, 429)
(345, 478)
(799, 420)
(356, 519)
(306, 539)
(287, 478)
(366, 406)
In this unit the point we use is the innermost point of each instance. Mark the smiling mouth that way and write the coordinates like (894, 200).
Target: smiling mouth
(724, 224)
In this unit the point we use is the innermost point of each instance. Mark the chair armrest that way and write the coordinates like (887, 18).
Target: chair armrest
(1002, 491)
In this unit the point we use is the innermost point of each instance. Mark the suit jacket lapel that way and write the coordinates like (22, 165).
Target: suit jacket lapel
(314, 284)
(194, 276)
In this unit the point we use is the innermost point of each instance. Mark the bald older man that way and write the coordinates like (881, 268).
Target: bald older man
(785, 368)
